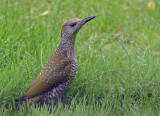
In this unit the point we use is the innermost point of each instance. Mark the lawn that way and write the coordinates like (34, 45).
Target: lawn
(118, 54)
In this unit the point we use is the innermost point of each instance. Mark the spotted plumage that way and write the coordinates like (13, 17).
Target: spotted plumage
(59, 70)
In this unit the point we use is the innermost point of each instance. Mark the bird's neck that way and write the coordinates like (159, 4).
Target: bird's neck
(68, 44)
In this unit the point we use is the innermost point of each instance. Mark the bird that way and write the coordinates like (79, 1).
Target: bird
(59, 70)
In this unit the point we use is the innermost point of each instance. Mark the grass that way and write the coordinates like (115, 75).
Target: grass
(118, 54)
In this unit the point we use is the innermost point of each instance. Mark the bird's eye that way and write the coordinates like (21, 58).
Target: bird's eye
(73, 24)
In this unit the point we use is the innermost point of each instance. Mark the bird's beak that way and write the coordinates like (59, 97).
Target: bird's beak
(85, 20)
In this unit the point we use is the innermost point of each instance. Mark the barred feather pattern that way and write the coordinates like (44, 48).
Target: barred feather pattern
(55, 94)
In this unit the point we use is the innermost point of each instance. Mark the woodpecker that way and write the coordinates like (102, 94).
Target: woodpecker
(59, 70)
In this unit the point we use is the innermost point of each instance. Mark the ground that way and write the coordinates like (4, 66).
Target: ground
(118, 54)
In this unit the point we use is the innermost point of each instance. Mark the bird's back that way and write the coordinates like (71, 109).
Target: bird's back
(45, 87)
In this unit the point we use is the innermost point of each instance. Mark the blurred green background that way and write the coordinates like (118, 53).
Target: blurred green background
(118, 54)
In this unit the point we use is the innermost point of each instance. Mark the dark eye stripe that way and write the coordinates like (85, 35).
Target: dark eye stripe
(73, 24)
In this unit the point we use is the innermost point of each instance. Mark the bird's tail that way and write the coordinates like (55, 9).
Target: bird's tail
(14, 105)
(22, 104)
(26, 102)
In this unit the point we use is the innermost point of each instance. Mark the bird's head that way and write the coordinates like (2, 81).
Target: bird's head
(72, 26)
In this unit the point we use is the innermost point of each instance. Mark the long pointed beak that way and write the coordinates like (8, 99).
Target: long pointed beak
(85, 20)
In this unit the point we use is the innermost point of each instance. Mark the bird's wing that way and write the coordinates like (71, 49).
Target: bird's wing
(59, 73)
